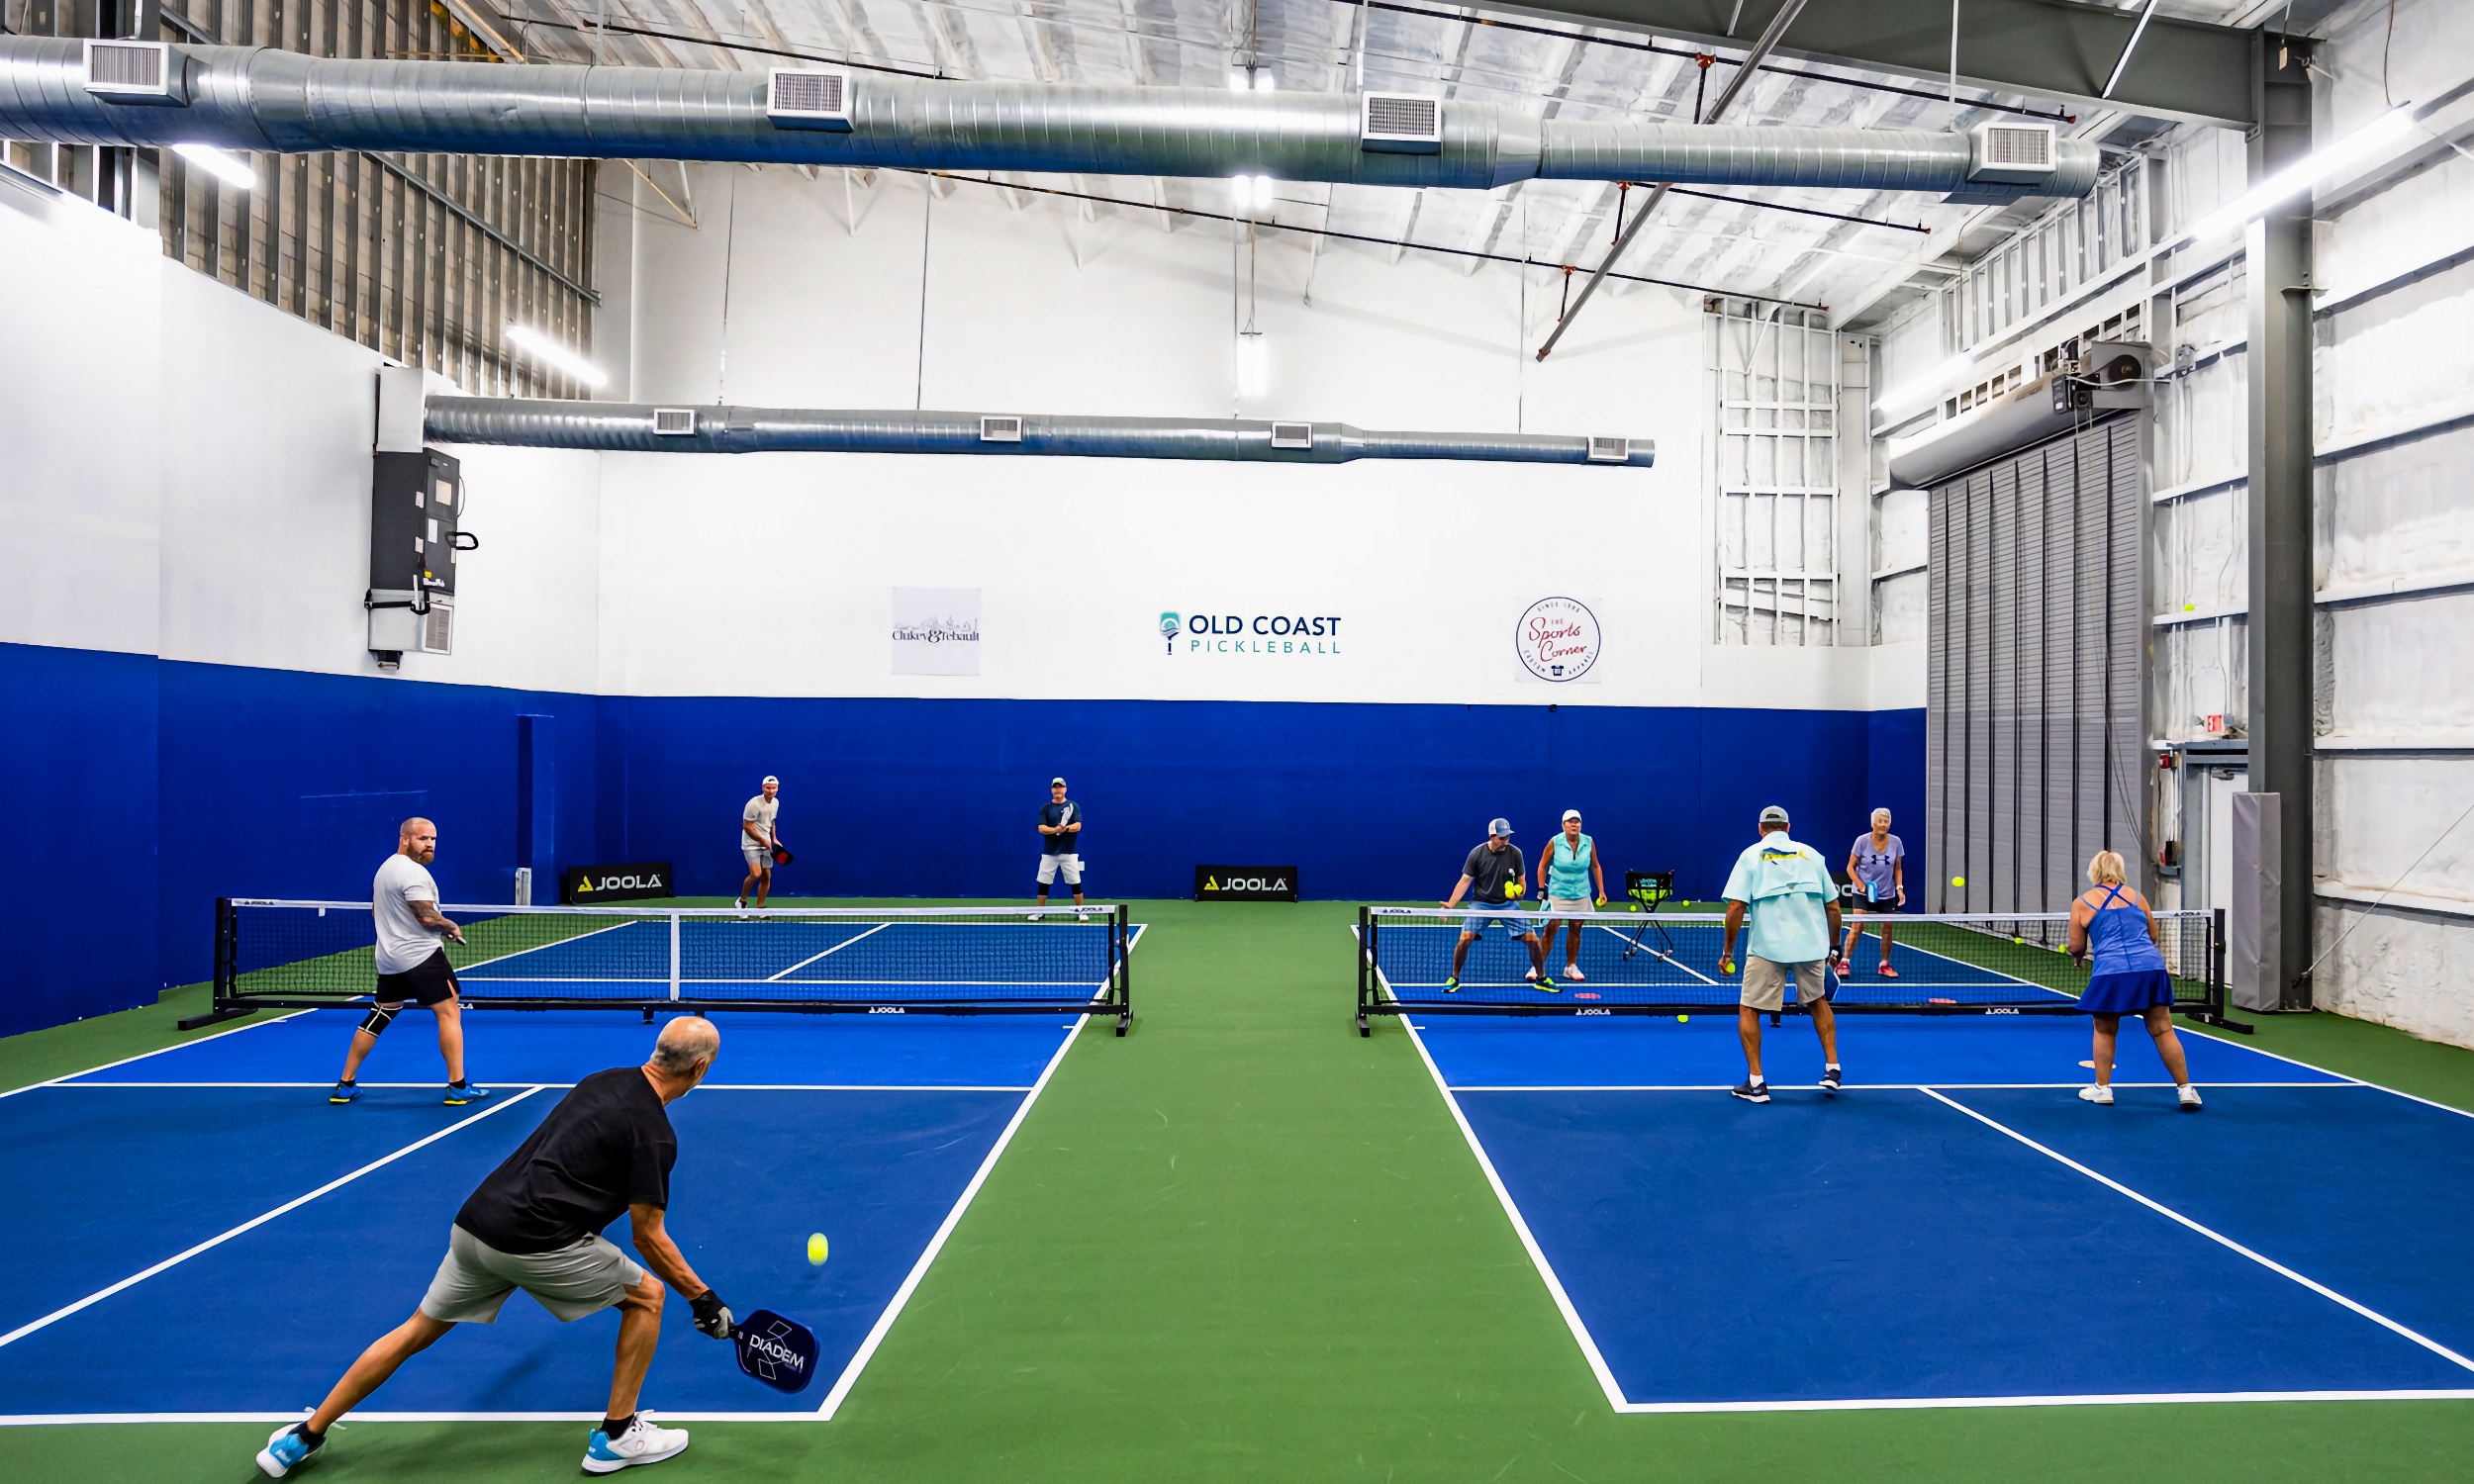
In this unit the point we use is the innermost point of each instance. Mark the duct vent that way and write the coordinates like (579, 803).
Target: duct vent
(1401, 124)
(2018, 153)
(1292, 435)
(438, 628)
(133, 72)
(809, 98)
(674, 421)
(1610, 450)
(1001, 429)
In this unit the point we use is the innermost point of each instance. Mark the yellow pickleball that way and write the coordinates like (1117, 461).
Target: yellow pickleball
(817, 1248)
(1958, 881)
(1680, 1019)
(1511, 891)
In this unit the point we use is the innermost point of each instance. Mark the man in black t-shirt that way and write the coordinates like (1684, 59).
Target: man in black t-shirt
(535, 1223)
(1490, 878)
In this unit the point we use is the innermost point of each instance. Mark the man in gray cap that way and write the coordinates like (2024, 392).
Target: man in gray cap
(1794, 908)
(1492, 879)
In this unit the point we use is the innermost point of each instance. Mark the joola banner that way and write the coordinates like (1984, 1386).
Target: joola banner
(587, 885)
(1245, 884)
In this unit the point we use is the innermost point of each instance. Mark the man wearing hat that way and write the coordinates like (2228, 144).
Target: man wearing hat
(1785, 889)
(1060, 847)
(758, 840)
(1492, 879)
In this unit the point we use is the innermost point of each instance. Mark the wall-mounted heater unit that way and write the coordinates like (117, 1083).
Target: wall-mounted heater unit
(1292, 435)
(417, 505)
(809, 98)
(1400, 124)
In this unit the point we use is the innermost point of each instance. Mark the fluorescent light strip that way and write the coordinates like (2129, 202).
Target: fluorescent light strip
(554, 356)
(228, 167)
(2302, 174)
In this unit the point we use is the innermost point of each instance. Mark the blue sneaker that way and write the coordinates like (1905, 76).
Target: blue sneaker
(639, 1442)
(287, 1450)
(456, 1096)
(345, 1092)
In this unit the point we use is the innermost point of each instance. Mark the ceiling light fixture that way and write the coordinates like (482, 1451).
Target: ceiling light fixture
(2303, 173)
(224, 166)
(555, 356)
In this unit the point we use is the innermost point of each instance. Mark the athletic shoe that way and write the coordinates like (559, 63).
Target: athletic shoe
(1886, 972)
(1751, 1092)
(2188, 1096)
(345, 1092)
(1081, 917)
(1451, 985)
(641, 1443)
(1034, 917)
(1532, 975)
(741, 905)
(286, 1449)
(456, 1097)
(2103, 1096)
(1572, 972)
(1830, 1080)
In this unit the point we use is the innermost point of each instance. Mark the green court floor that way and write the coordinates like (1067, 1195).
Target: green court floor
(1245, 1243)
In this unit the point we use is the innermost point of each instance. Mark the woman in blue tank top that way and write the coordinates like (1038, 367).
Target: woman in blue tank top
(1565, 876)
(2112, 922)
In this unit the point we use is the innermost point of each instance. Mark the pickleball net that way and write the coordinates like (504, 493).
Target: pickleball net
(1669, 963)
(292, 954)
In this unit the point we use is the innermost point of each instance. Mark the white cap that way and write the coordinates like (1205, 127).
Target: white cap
(770, 779)
(1570, 814)
(1056, 783)
(1774, 814)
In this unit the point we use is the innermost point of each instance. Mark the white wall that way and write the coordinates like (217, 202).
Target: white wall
(187, 474)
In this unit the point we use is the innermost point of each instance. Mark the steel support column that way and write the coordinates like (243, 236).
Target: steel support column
(2277, 262)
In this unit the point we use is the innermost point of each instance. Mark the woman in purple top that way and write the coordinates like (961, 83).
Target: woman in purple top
(1876, 867)
(2129, 978)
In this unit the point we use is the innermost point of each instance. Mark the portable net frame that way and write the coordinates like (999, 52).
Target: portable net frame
(978, 961)
(1667, 963)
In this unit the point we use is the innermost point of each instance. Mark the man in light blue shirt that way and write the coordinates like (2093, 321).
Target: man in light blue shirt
(1785, 889)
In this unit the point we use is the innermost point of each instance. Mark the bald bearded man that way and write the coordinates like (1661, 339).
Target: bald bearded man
(412, 963)
(535, 1223)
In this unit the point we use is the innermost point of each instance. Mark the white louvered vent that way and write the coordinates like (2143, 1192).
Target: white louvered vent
(2018, 153)
(438, 628)
(1292, 435)
(1001, 429)
(130, 71)
(1401, 124)
(808, 97)
(1609, 450)
(674, 421)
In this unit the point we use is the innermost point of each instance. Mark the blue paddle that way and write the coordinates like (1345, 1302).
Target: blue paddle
(781, 1352)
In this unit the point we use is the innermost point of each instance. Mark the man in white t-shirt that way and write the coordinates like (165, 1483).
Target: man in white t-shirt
(759, 839)
(412, 962)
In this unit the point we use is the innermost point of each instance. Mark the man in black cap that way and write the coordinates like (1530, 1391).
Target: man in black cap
(1492, 879)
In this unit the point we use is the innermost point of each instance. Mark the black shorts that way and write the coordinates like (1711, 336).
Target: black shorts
(428, 983)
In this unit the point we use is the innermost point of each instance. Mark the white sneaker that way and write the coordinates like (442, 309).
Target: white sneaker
(2188, 1096)
(1034, 917)
(1530, 974)
(1082, 917)
(1572, 972)
(742, 903)
(2100, 1096)
(641, 1443)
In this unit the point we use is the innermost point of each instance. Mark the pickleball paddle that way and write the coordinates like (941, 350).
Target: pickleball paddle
(780, 1352)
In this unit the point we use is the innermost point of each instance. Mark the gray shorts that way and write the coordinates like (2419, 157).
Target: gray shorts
(759, 857)
(475, 1279)
(1765, 984)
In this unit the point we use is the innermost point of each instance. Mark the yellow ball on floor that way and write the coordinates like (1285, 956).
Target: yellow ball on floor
(817, 1248)
(1680, 1019)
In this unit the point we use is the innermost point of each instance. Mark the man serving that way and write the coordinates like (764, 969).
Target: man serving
(1492, 879)
(535, 1223)
(412, 962)
(1794, 905)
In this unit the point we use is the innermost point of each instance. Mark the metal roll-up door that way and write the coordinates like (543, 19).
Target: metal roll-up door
(2036, 645)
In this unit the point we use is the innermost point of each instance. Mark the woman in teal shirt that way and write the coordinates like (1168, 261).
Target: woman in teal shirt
(1565, 875)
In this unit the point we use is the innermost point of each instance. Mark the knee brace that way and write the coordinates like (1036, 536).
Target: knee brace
(378, 1019)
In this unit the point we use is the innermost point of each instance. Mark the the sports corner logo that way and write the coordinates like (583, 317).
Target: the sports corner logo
(1288, 635)
(1557, 639)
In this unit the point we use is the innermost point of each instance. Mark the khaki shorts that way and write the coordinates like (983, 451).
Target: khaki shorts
(1765, 983)
(475, 1279)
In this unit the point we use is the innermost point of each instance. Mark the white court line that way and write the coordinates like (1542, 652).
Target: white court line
(158, 1051)
(2355, 1081)
(99, 1295)
(2270, 1263)
(1658, 953)
(700, 1087)
(539, 947)
(1851, 1087)
(836, 948)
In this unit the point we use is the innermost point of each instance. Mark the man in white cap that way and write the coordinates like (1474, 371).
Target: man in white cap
(759, 839)
(1492, 879)
(1061, 847)
(1794, 907)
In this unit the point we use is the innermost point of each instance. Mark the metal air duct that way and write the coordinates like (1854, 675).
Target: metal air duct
(624, 427)
(250, 98)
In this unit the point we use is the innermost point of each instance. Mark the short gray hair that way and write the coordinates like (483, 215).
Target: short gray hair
(684, 1042)
(1880, 814)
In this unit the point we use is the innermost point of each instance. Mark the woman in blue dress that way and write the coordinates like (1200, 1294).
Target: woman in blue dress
(2129, 976)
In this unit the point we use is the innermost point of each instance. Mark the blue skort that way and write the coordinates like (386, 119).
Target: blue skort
(2129, 993)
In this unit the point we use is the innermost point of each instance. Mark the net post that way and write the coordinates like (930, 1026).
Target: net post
(674, 956)
(1366, 959)
(1124, 949)
(226, 971)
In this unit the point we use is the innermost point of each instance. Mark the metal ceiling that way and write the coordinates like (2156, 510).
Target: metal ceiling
(1552, 69)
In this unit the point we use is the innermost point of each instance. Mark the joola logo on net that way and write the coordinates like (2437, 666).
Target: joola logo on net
(1290, 634)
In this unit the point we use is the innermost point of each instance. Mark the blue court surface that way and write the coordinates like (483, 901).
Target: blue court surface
(206, 1208)
(1957, 1227)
